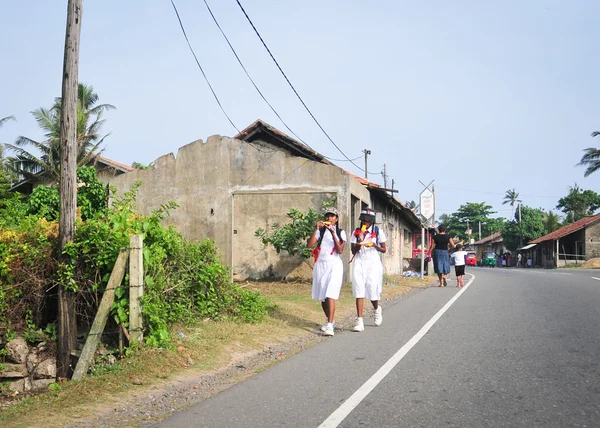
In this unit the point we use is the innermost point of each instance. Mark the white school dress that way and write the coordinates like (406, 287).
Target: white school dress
(367, 270)
(328, 271)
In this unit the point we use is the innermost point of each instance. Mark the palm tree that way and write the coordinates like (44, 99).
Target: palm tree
(511, 197)
(551, 221)
(89, 121)
(591, 158)
(3, 164)
(6, 119)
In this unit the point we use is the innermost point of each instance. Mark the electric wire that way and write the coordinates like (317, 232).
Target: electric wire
(293, 88)
(260, 92)
(201, 69)
(250, 78)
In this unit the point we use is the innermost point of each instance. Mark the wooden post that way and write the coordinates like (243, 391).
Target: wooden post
(87, 355)
(67, 322)
(136, 288)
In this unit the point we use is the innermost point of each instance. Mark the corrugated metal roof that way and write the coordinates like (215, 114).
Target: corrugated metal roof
(526, 247)
(568, 229)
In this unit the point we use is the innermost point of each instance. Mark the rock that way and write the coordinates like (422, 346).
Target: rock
(21, 386)
(17, 350)
(32, 362)
(13, 370)
(41, 384)
(46, 369)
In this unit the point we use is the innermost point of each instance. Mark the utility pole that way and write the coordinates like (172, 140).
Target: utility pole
(384, 173)
(367, 153)
(67, 321)
(520, 228)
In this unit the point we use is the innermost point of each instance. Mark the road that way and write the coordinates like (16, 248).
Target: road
(515, 348)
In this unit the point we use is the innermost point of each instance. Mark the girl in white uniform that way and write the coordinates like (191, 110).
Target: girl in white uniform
(328, 271)
(367, 271)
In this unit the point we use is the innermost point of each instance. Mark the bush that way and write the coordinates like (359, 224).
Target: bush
(183, 280)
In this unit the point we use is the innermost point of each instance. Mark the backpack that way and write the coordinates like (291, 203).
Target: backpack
(317, 249)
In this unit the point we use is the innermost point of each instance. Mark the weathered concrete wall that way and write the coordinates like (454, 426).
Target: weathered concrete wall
(592, 240)
(226, 189)
(395, 228)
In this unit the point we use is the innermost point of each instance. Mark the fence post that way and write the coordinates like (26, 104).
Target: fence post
(136, 287)
(87, 354)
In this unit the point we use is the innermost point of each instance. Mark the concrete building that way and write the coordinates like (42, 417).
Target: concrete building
(494, 243)
(227, 188)
(573, 243)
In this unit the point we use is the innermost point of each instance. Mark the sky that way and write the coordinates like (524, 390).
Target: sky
(478, 97)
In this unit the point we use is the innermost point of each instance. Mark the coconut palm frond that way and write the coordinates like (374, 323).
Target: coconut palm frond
(89, 139)
(591, 159)
(6, 119)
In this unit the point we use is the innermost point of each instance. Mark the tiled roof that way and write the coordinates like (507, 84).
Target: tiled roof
(493, 238)
(115, 164)
(568, 229)
(259, 126)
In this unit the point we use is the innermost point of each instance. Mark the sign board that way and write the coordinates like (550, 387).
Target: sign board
(427, 204)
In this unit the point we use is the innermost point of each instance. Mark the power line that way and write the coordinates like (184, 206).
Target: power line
(292, 86)
(201, 69)
(250, 78)
(496, 193)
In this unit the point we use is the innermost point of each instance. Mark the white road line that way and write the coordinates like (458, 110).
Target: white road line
(336, 418)
(593, 277)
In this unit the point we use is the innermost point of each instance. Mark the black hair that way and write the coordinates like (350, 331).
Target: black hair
(442, 228)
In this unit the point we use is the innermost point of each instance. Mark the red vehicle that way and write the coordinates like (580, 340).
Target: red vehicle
(416, 244)
(471, 259)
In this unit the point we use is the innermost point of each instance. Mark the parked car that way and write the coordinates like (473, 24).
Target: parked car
(471, 259)
(488, 258)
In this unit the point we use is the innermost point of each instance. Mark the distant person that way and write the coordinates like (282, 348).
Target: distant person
(328, 271)
(439, 252)
(459, 257)
(367, 271)
(519, 258)
(529, 262)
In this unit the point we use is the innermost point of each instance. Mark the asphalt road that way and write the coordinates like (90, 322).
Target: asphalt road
(515, 348)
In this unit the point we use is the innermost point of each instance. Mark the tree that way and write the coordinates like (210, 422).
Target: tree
(551, 221)
(6, 119)
(291, 237)
(578, 203)
(511, 197)
(411, 205)
(6, 178)
(531, 227)
(470, 213)
(138, 165)
(591, 158)
(27, 163)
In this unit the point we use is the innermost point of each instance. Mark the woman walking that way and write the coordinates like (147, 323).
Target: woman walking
(441, 258)
(328, 271)
(368, 241)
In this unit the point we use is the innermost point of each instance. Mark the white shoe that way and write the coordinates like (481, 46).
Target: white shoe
(359, 326)
(378, 316)
(324, 326)
(328, 330)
